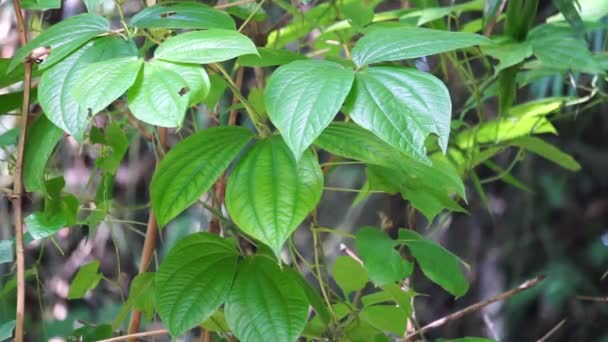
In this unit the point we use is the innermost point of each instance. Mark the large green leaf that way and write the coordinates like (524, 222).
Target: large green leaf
(268, 195)
(202, 47)
(349, 274)
(298, 102)
(387, 318)
(187, 15)
(191, 167)
(42, 136)
(194, 280)
(265, 304)
(269, 57)
(63, 38)
(55, 89)
(401, 106)
(547, 151)
(159, 96)
(437, 263)
(110, 79)
(86, 279)
(392, 44)
(382, 262)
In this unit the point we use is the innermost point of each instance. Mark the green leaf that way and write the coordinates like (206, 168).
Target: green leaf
(40, 5)
(312, 294)
(391, 293)
(265, 304)
(218, 86)
(382, 262)
(438, 264)
(90, 333)
(297, 102)
(203, 47)
(547, 151)
(57, 83)
(110, 79)
(217, 322)
(187, 15)
(195, 77)
(43, 136)
(590, 11)
(63, 38)
(141, 298)
(6, 251)
(86, 279)
(93, 5)
(194, 280)
(570, 12)
(6, 330)
(9, 137)
(401, 106)
(159, 96)
(10, 76)
(268, 194)
(385, 318)
(40, 225)
(392, 44)
(115, 144)
(508, 52)
(269, 57)
(12, 101)
(191, 167)
(349, 274)
(245, 10)
(491, 11)
(357, 13)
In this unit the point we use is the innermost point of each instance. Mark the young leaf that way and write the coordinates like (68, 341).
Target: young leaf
(194, 280)
(297, 100)
(63, 38)
(110, 79)
(269, 57)
(547, 151)
(191, 167)
(203, 47)
(382, 262)
(401, 106)
(268, 194)
(42, 138)
(438, 264)
(188, 15)
(86, 279)
(6, 251)
(385, 318)
(392, 44)
(6, 330)
(265, 304)
(349, 274)
(55, 89)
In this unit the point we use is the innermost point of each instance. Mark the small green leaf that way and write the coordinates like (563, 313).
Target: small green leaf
(297, 102)
(357, 13)
(191, 167)
(141, 298)
(392, 44)
(42, 138)
(268, 194)
(187, 15)
(194, 280)
(110, 79)
(265, 304)
(41, 225)
(385, 318)
(349, 274)
(115, 146)
(86, 279)
(9, 137)
(401, 106)
(203, 47)
(63, 38)
(40, 5)
(57, 83)
(6, 251)
(438, 264)
(269, 57)
(6, 330)
(382, 262)
(547, 151)
(90, 333)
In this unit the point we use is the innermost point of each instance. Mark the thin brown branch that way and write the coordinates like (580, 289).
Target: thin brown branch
(552, 331)
(17, 197)
(593, 299)
(137, 335)
(149, 241)
(490, 26)
(477, 306)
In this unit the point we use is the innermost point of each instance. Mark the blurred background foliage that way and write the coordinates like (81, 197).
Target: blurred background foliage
(536, 219)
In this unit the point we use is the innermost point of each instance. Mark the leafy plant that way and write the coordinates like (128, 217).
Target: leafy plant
(363, 100)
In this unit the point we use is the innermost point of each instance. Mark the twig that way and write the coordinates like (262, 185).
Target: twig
(552, 331)
(477, 306)
(350, 253)
(491, 25)
(149, 243)
(17, 197)
(593, 299)
(134, 336)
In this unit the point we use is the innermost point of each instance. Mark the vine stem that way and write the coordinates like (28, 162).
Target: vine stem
(137, 335)
(149, 242)
(17, 196)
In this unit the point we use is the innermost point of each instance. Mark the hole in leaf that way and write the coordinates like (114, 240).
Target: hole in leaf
(184, 91)
(167, 14)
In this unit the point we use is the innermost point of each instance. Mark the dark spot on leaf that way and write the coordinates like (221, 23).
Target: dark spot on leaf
(167, 14)
(184, 91)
